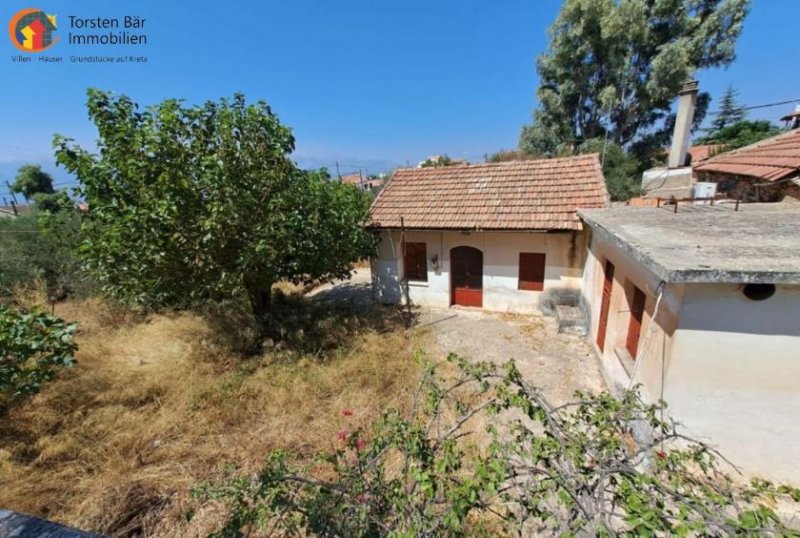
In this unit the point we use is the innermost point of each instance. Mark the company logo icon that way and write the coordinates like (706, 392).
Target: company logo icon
(31, 30)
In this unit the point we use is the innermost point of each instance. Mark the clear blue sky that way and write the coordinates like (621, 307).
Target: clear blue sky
(361, 82)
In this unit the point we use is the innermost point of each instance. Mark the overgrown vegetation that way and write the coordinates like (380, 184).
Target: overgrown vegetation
(156, 404)
(196, 204)
(597, 467)
(33, 347)
(41, 246)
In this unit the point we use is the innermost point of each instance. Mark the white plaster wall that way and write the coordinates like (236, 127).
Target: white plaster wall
(655, 340)
(564, 258)
(734, 376)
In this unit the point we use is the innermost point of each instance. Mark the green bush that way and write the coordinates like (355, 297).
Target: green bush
(33, 347)
(600, 466)
(41, 246)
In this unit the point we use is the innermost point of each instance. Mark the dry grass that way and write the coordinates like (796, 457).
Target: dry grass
(158, 404)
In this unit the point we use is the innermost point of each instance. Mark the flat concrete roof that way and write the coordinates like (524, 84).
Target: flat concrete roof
(759, 243)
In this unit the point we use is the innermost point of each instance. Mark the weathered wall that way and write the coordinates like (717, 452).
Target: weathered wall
(565, 255)
(735, 375)
(656, 338)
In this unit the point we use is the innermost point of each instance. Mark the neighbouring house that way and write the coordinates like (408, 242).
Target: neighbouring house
(362, 182)
(701, 306)
(767, 171)
(485, 235)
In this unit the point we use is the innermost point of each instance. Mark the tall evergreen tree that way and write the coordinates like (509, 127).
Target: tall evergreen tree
(617, 65)
(730, 111)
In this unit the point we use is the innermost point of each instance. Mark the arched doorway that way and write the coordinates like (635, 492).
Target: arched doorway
(466, 276)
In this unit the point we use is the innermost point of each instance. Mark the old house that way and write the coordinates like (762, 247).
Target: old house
(485, 235)
(701, 306)
(767, 171)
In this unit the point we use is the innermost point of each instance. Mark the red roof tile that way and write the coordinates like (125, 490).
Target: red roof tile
(771, 159)
(514, 195)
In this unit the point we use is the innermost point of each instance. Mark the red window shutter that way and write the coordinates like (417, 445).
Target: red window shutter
(635, 324)
(415, 262)
(531, 271)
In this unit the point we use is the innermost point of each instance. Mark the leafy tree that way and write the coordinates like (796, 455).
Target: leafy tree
(190, 204)
(32, 180)
(730, 111)
(439, 160)
(740, 134)
(33, 346)
(617, 65)
(510, 155)
(41, 246)
(599, 466)
(621, 170)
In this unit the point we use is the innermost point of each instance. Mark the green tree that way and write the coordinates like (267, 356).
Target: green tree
(438, 160)
(190, 204)
(617, 65)
(32, 180)
(33, 346)
(730, 111)
(41, 246)
(621, 170)
(740, 134)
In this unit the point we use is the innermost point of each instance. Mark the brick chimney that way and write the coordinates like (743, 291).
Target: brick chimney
(687, 99)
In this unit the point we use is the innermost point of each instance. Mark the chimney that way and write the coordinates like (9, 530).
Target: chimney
(687, 99)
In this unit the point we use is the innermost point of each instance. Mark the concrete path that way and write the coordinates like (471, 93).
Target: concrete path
(559, 364)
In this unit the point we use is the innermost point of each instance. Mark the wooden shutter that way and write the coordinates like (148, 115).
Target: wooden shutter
(415, 263)
(608, 283)
(635, 325)
(531, 271)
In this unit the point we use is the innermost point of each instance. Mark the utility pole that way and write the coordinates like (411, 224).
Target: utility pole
(337, 172)
(13, 196)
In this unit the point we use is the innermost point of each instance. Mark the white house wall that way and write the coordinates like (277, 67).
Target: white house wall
(564, 259)
(734, 376)
(655, 340)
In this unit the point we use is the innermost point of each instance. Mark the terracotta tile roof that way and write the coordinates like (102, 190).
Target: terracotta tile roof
(514, 195)
(703, 153)
(771, 159)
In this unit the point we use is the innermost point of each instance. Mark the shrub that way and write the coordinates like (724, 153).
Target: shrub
(33, 346)
(599, 466)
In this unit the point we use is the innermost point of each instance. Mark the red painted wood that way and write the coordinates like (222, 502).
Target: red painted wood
(605, 304)
(466, 276)
(531, 271)
(635, 324)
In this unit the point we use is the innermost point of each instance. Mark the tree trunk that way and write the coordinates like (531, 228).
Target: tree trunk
(261, 301)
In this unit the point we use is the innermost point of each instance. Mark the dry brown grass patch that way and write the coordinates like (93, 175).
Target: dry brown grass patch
(157, 405)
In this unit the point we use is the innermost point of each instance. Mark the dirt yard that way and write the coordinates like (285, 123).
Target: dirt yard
(557, 363)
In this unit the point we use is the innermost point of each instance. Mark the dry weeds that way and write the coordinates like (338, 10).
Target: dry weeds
(159, 404)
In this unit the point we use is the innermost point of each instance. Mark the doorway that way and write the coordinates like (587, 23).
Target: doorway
(466, 276)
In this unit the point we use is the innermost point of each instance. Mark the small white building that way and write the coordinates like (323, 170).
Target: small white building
(487, 235)
(701, 307)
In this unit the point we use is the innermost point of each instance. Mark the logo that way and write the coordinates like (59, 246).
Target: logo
(31, 30)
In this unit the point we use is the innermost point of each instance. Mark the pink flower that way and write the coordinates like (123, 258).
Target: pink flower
(360, 444)
(347, 412)
(342, 436)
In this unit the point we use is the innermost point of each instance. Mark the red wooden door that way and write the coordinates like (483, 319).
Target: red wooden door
(605, 304)
(466, 276)
(635, 324)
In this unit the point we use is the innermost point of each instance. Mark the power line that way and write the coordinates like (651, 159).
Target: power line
(768, 105)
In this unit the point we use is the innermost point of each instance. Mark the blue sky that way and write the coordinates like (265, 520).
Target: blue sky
(365, 83)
